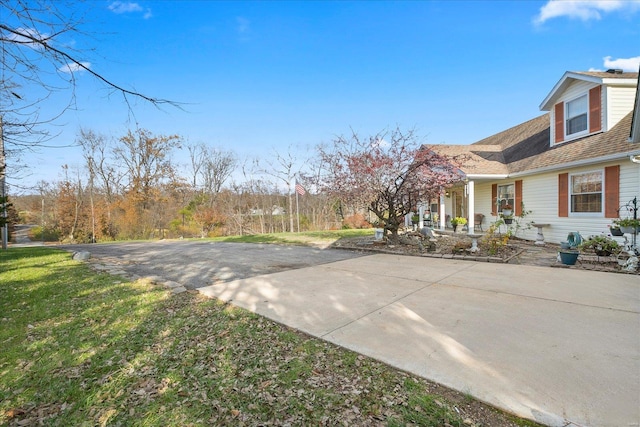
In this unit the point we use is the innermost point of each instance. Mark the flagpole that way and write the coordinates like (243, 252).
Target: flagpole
(297, 207)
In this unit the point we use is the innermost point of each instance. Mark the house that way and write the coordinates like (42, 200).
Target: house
(573, 168)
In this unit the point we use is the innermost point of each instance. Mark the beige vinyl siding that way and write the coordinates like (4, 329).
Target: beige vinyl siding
(542, 191)
(540, 196)
(576, 89)
(483, 204)
(619, 101)
(629, 182)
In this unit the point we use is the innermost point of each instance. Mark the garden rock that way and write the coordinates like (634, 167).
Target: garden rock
(81, 255)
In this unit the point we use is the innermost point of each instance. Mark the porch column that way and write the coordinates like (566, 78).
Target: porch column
(471, 197)
(443, 214)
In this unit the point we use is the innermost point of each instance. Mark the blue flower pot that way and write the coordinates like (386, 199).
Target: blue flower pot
(569, 257)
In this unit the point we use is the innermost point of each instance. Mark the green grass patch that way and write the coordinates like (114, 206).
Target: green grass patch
(87, 348)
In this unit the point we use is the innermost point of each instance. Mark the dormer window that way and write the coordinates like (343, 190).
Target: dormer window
(577, 115)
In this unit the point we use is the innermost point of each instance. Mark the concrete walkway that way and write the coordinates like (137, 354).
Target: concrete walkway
(558, 346)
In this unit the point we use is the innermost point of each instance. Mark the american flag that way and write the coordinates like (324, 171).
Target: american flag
(300, 189)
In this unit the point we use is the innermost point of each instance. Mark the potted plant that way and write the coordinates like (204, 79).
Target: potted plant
(507, 211)
(460, 222)
(615, 231)
(602, 245)
(628, 225)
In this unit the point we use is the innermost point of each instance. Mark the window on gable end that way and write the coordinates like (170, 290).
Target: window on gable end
(576, 115)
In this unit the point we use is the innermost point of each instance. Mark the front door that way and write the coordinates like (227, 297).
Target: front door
(458, 203)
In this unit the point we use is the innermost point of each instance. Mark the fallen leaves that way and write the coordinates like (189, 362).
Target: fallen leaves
(132, 356)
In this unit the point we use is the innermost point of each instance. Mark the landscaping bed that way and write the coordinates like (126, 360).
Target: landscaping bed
(498, 250)
(445, 246)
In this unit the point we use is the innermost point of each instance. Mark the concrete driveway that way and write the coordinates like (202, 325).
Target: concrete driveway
(558, 346)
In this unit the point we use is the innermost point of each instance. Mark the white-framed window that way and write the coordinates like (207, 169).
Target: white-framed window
(586, 192)
(576, 120)
(506, 196)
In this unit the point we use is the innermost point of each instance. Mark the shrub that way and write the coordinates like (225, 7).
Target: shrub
(602, 245)
(355, 221)
(493, 241)
(47, 234)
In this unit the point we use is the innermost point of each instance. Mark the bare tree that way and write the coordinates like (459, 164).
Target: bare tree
(210, 167)
(92, 145)
(283, 168)
(217, 168)
(37, 38)
(197, 157)
(147, 161)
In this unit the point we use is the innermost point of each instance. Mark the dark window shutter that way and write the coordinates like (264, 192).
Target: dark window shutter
(563, 195)
(494, 200)
(611, 191)
(518, 201)
(559, 113)
(595, 109)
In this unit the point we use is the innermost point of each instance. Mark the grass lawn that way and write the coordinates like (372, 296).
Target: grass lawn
(86, 348)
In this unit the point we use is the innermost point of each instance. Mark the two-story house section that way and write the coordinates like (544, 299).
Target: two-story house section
(585, 103)
(571, 168)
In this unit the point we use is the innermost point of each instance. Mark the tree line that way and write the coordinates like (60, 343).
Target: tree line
(131, 188)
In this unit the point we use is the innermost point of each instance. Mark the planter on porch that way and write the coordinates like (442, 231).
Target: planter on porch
(458, 224)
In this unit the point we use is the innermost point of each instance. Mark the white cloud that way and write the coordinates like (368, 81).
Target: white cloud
(120, 7)
(584, 10)
(626, 64)
(72, 67)
(124, 7)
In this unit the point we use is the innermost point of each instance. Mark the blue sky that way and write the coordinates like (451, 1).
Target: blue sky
(259, 76)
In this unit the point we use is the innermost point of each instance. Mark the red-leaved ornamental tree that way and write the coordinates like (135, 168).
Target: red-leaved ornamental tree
(388, 173)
